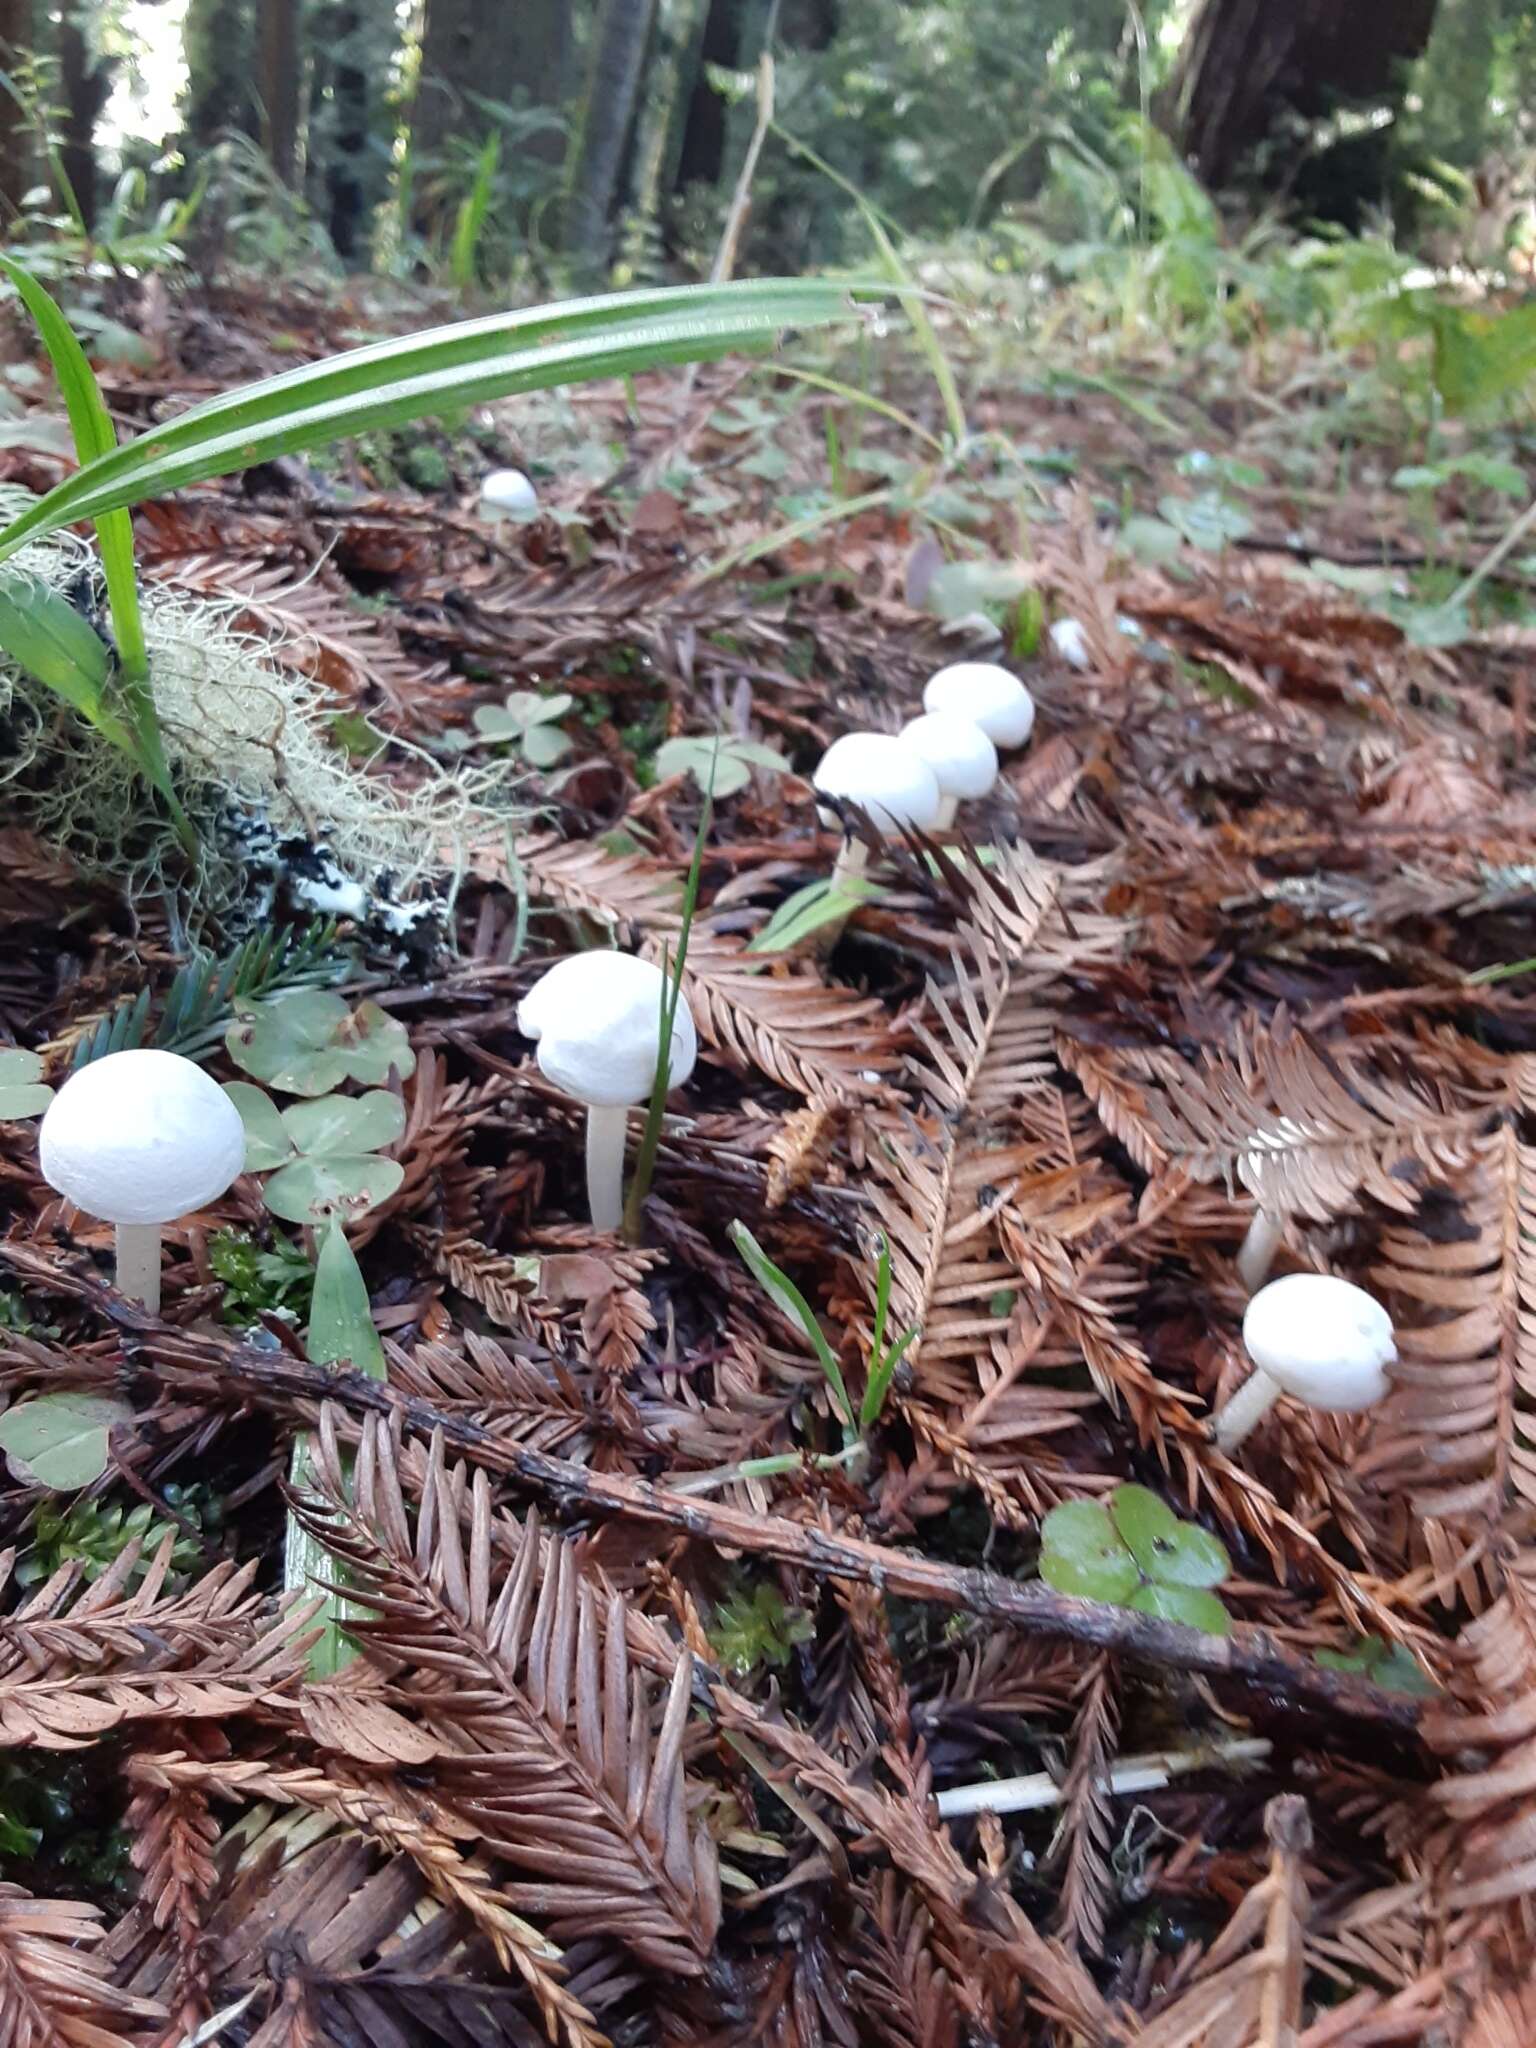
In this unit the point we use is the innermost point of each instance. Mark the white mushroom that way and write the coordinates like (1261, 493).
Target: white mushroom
(1316, 1338)
(886, 778)
(963, 759)
(988, 696)
(508, 494)
(138, 1139)
(596, 1019)
(1071, 643)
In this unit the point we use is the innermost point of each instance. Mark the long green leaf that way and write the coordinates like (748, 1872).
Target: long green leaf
(95, 437)
(393, 381)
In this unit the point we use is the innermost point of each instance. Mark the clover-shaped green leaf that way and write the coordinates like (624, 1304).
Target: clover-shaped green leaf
(722, 762)
(1081, 1553)
(61, 1440)
(1133, 1551)
(345, 1123)
(324, 1151)
(267, 1143)
(1191, 1605)
(308, 1042)
(343, 1185)
(529, 722)
(1166, 1550)
(22, 1092)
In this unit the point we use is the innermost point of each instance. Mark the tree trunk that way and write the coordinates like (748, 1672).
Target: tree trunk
(701, 161)
(598, 146)
(84, 78)
(1246, 62)
(218, 39)
(281, 72)
(346, 170)
(15, 136)
(515, 51)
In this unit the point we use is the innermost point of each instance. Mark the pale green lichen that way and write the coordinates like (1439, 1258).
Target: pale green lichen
(243, 734)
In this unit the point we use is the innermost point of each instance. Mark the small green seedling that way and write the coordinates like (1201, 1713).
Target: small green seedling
(811, 909)
(22, 1090)
(530, 724)
(1385, 1664)
(94, 1534)
(309, 1042)
(322, 1154)
(792, 1304)
(726, 760)
(755, 1629)
(1133, 1551)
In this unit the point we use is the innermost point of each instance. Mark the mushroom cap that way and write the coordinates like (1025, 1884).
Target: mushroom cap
(963, 759)
(596, 1019)
(509, 491)
(988, 696)
(1325, 1342)
(1071, 643)
(141, 1137)
(884, 776)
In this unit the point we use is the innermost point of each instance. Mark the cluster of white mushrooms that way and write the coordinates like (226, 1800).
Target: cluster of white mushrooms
(918, 777)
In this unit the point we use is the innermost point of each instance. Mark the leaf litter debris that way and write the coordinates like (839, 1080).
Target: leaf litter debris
(650, 1705)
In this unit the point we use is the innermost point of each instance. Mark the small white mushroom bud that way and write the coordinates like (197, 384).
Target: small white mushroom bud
(138, 1139)
(596, 1019)
(988, 696)
(508, 494)
(1071, 643)
(886, 778)
(963, 759)
(1316, 1338)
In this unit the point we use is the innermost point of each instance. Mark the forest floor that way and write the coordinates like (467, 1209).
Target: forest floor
(639, 1746)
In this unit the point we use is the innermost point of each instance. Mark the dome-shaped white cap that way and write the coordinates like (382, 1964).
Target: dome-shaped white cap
(988, 696)
(1071, 643)
(963, 759)
(141, 1137)
(509, 492)
(884, 776)
(1325, 1342)
(597, 1021)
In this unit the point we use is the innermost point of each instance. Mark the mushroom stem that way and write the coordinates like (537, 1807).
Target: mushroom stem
(607, 1135)
(1131, 1774)
(1245, 1411)
(138, 1263)
(852, 860)
(1265, 1236)
(948, 805)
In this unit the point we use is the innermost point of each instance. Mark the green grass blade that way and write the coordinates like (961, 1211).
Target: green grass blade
(792, 1304)
(95, 438)
(389, 382)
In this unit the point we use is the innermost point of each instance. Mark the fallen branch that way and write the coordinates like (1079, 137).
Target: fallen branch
(202, 1365)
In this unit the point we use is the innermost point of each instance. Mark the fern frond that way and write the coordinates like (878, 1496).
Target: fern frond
(397, 1823)
(1455, 1433)
(1304, 1128)
(556, 1760)
(200, 1000)
(1087, 1880)
(1487, 1732)
(52, 1993)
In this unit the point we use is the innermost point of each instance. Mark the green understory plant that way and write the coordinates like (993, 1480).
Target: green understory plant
(529, 724)
(884, 1356)
(23, 1092)
(723, 763)
(320, 1154)
(1133, 1551)
(94, 1533)
(202, 996)
(754, 1629)
(378, 386)
(673, 964)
